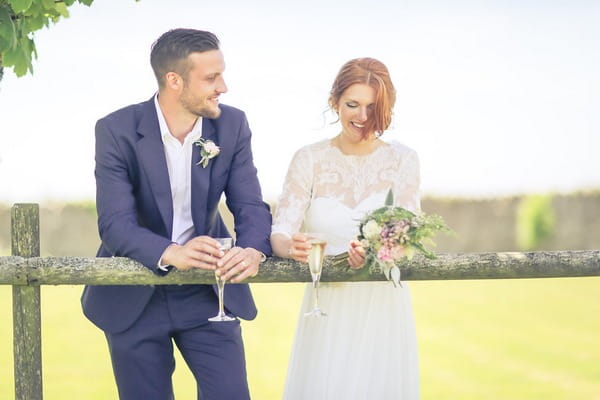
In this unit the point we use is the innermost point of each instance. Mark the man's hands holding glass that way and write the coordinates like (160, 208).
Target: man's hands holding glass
(204, 252)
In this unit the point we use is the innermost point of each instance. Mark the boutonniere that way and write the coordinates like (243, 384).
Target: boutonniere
(208, 151)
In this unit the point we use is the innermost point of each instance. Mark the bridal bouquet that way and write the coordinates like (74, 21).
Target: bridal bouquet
(390, 234)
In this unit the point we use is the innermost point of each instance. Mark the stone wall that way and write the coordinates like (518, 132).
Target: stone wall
(491, 225)
(480, 225)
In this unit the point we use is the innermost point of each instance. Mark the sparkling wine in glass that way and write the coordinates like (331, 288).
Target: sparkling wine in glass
(224, 244)
(315, 264)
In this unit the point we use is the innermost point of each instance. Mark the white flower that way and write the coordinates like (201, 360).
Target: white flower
(371, 230)
(208, 151)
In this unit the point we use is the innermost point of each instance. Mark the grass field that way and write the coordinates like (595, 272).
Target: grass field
(504, 339)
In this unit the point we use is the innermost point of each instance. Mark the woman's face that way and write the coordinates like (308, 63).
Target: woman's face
(355, 107)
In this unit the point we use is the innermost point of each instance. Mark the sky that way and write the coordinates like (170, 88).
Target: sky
(497, 97)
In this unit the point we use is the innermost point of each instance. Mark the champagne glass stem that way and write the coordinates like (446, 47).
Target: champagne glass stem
(316, 286)
(315, 265)
(220, 286)
(225, 245)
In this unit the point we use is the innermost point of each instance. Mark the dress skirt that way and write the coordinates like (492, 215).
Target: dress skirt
(365, 348)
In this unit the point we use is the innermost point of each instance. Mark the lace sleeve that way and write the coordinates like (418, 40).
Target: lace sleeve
(407, 186)
(296, 195)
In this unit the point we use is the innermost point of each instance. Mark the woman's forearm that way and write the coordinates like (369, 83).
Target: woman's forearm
(281, 245)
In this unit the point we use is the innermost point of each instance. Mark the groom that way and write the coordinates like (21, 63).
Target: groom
(161, 168)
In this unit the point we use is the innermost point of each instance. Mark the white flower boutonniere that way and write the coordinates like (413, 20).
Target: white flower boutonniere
(208, 151)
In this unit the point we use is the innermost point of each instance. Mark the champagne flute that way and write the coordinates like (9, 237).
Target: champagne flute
(224, 244)
(315, 264)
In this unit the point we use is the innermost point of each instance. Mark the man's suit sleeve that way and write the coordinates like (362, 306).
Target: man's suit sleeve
(120, 232)
(244, 198)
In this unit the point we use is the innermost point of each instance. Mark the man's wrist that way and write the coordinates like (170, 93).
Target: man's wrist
(263, 257)
(164, 261)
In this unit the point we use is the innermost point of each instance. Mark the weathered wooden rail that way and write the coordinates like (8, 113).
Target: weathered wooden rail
(26, 271)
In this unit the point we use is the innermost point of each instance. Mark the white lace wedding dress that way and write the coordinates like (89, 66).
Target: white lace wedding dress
(366, 347)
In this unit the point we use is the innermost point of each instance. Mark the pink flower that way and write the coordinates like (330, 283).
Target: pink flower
(384, 254)
(211, 148)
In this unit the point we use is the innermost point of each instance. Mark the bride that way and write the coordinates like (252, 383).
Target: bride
(366, 347)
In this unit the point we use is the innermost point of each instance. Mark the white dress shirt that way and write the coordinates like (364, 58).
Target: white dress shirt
(179, 164)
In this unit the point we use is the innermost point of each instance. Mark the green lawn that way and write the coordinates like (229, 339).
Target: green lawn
(509, 339)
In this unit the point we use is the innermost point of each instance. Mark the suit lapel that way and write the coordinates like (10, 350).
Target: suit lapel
(152, 154)
(201, 178)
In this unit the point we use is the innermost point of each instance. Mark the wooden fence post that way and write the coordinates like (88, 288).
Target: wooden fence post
(25, 238)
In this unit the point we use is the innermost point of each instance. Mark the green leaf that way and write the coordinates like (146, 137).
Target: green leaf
(35, 23)
(20, 57)
(7, 27)
(20, 6)
(62, 9)
(35, 8)
(9, 57)
(32, 53)
(389, 200)
(17, 59)
(4, 45)
(53, 16)
(48, 4)
(86, 2)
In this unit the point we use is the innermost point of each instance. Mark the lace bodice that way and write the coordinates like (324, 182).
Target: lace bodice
(328, 191)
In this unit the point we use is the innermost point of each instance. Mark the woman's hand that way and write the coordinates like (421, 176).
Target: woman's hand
(299, 247)
(356, 255)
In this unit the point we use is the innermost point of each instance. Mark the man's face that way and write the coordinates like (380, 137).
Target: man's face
(203, 84)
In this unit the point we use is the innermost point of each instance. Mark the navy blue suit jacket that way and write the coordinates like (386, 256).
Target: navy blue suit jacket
(135, 208)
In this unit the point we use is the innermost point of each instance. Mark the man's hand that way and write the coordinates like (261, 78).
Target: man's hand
(239, 264)
(200, 252)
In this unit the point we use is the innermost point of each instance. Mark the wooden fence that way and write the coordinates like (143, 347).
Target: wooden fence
(26, 271)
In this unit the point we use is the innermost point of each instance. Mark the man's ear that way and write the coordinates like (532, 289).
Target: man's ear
(173, 81)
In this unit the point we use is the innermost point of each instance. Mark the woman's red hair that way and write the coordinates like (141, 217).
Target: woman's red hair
(374, 73)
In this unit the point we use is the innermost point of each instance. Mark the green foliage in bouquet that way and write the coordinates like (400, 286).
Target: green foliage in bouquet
(390, 234)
